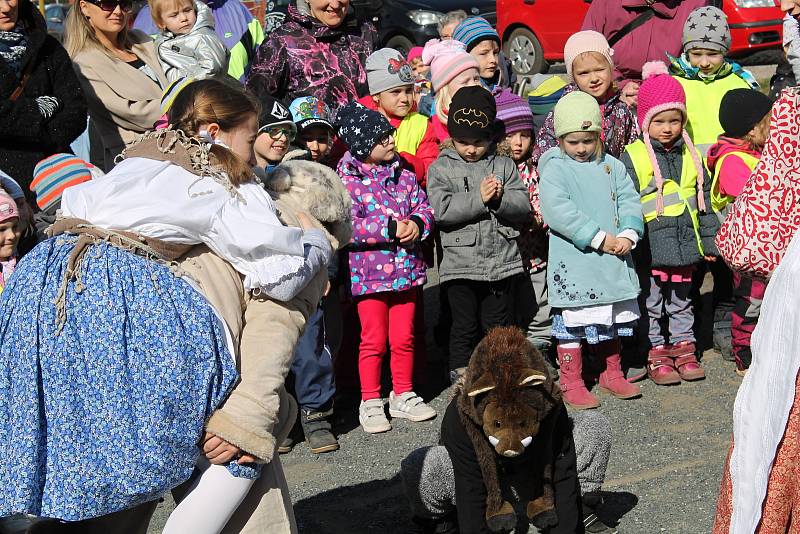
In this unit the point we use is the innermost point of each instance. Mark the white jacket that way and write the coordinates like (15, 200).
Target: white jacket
(164, 201)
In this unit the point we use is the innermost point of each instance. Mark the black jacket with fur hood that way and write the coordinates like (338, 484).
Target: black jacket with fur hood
(26, 137)
(470, 488)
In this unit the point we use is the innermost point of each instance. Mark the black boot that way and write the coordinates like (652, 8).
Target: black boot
(591, 504)
(317, 429)
(443, 525)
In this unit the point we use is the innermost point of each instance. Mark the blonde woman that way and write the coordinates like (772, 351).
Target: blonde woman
(451, 69)
(119, 72)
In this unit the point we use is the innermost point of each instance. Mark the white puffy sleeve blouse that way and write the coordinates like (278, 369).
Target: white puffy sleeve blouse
(164, 201)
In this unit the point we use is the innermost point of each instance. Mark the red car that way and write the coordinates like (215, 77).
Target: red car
(534, 31)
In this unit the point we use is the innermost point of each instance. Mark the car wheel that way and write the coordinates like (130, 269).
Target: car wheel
(525, 52)
(400, 43)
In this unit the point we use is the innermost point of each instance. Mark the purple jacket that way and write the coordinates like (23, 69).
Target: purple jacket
(305, 57)
(382, 196)
(650, 41)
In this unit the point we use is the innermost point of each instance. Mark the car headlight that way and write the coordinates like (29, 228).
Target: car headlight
(755, 3)
(423, 17)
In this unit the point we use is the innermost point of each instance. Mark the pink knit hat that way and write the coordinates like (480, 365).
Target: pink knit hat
(8, 208)
(414, 53)
(447, 59)
(513, 112)
(586, 41)
(661, 92)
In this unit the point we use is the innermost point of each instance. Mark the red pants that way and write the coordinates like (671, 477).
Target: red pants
(386, 316)
(748, 293)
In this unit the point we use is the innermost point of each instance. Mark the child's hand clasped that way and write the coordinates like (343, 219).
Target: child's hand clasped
(624, 245)
(491, 189)
(619, 246)
(407, 232)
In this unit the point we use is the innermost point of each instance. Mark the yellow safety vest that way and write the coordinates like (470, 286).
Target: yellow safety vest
(703, 101)
(677, 196)
(719, 202)
(410, 133)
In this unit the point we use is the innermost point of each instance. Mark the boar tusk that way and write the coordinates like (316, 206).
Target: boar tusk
(494, 441)
(527, 441)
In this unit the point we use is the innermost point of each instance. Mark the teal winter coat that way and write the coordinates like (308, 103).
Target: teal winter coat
(578, 200)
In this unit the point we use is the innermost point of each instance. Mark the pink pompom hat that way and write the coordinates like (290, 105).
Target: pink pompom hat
(661, 92)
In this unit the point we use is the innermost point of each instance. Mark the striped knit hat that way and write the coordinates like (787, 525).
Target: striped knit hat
(54, 174)
(473, 30)
(171, 93)
(447, 59)
(513, 112)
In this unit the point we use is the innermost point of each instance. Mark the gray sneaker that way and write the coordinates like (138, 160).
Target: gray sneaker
(372, 417)
(410, 406)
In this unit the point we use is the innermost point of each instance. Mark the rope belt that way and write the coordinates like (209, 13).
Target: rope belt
(153, 249)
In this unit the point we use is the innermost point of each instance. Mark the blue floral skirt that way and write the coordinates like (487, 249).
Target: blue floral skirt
(593, 334)
(107, 412)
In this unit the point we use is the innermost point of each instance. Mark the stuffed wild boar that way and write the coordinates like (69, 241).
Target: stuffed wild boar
(504, 406)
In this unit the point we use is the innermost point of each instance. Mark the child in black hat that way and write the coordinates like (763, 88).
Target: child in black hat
(276, 131)
(480, 203)
(391, 215)
(745, 116)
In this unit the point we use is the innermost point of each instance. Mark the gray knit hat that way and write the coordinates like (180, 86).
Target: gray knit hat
(387, 69)
(707, 27)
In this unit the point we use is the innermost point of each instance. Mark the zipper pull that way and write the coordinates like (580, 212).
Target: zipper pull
(466, 184)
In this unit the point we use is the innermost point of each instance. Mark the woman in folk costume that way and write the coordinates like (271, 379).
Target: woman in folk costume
(760, 491)
(111, 362)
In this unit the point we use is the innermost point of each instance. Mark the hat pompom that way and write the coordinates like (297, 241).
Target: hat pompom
(436, 47)
(654, 68)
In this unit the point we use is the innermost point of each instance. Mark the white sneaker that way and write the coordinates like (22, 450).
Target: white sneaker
(372, 417)
(410, 406)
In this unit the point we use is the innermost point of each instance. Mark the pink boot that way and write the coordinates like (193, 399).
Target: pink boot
(686, 362)
(661, 367)
(571, 381)
(612, 379)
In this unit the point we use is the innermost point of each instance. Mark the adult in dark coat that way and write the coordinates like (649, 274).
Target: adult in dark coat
(317, 51)
(50, 112)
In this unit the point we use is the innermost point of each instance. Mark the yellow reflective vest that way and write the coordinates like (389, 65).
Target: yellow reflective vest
(678, 195)
(719, 202)
(410, 133)
(703, 101)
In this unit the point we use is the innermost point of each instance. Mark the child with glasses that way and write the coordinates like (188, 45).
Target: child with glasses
(276, 131)
(188, 46)
(391, 215)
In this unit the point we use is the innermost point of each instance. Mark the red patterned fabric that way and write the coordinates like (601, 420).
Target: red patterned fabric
(781, 508)
(764, 218)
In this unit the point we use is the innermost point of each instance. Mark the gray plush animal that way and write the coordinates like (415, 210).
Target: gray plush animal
(315, 189)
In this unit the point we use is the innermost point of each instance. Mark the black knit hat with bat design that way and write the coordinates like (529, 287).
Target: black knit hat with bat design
(472, 114)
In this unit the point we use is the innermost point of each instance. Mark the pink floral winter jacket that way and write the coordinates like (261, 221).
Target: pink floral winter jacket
(383, 195)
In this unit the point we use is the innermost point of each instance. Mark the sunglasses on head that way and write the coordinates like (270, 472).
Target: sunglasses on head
(111, 5)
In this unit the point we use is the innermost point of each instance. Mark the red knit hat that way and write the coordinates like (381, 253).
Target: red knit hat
(661, 92)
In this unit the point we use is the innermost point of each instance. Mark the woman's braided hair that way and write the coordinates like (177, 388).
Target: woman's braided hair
(215, 101)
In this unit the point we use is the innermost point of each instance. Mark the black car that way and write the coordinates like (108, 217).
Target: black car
(401, 24)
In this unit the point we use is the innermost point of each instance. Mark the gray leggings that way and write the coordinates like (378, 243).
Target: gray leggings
(673, 301)
(429, 482)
